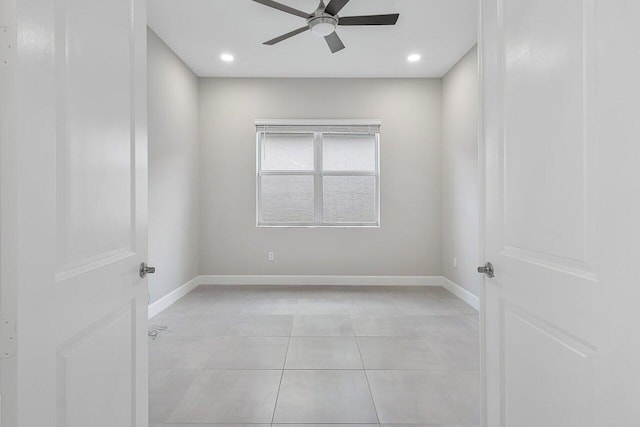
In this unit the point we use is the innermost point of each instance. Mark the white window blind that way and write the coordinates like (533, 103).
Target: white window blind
(317, 174)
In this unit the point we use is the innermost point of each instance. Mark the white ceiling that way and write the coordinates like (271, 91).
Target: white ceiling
(200, 30)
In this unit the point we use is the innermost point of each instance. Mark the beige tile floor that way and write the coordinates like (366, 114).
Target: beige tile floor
(285, 356)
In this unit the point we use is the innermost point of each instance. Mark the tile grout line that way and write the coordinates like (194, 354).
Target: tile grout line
(284, 364)
(366, 376)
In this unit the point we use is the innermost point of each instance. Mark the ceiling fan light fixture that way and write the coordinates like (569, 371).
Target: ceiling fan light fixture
(324, 21)
(323, 26)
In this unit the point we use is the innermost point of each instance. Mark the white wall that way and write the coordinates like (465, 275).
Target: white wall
(460, 192)
(173, 169)
(409, 239)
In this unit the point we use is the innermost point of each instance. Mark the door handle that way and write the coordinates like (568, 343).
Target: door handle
(145, 269)
(486, 269)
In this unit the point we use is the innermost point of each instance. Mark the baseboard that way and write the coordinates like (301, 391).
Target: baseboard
(321, 280)
(461, 293)
(230, 280)
(173, 296)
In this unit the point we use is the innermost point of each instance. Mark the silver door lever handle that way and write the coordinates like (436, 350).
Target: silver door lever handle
(486, 269)
(145, 269)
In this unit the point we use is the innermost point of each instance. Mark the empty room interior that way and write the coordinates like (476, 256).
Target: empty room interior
(263, 213)
(313, 213)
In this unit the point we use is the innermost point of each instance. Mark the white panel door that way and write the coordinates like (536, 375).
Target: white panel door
(561, 89)
(74, 209)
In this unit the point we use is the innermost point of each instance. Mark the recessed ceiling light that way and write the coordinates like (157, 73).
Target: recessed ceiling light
(414, 57)
(227, 57)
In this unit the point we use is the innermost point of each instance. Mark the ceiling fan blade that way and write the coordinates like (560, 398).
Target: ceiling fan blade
(286, 36)
(335, 6)
(334, 42)
(284, 8)
(370, 20)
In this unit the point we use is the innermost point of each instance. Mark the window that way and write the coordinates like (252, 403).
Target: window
(312, 174)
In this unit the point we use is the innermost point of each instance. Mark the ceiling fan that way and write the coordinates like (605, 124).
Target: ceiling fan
(324, 20)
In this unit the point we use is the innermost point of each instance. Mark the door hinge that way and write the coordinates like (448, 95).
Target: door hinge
(5, 46)
(5, 62)
(8, 344)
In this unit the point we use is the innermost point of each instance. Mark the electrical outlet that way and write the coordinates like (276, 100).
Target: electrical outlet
(270, 256)
(455, 262)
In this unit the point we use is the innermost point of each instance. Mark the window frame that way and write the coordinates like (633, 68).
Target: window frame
(315, 128)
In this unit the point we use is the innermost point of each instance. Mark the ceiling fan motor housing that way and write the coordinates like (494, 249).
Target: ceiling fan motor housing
(322, 25)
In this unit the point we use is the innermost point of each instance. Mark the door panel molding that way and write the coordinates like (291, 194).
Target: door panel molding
(86, 265)
(98, 343)
(563, 265)
(94, 199)
(567, 376)
(577, 260)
